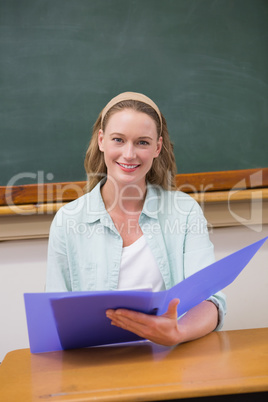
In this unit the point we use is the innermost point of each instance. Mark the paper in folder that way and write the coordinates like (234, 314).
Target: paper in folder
(67, 320)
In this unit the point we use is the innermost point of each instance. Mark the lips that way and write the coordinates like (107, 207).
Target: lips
(127, 167)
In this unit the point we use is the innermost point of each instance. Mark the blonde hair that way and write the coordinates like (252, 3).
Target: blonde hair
(163, 170)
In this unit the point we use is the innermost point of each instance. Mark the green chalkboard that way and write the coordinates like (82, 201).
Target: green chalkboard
(204, 62)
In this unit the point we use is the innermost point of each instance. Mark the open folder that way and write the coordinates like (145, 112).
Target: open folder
(68, 320)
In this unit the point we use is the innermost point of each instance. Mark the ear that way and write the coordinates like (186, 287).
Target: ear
(158, 146)
(100, 140)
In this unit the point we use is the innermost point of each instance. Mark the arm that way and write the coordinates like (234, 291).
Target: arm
(58, 275)
(167, 329)
(199, 253)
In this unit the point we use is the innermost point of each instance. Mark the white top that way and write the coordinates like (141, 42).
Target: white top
(138, 268)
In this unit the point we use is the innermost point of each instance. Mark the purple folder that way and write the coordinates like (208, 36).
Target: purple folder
(67, 320)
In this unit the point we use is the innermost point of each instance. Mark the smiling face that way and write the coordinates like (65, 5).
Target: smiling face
(129, 143)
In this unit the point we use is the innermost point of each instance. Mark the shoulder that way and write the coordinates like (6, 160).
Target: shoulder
(83, 209)
(73, 207)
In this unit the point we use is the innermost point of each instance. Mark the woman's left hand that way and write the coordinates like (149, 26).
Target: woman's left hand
(163, 329)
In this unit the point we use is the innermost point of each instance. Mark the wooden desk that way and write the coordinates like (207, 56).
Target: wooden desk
(221, 363)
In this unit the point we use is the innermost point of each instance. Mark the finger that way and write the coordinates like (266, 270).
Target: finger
(128, 323)
(122, 313)
(118, 324)
(133, 316)
(110, 313)
(172, 309)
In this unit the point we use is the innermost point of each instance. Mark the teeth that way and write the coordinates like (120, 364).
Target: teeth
(128, 166)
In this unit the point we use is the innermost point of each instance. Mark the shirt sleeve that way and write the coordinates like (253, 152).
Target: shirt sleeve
(199, 253)
(58, 273)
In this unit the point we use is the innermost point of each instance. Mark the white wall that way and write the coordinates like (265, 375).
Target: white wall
(22, 270)
(23, 266)
(247, 296)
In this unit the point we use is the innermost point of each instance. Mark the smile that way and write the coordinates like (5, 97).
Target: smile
(123, 165)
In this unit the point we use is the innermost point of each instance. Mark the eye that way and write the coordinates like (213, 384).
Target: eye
(116, 139)
(143, 142)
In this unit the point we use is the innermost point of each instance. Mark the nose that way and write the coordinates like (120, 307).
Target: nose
(129, 151)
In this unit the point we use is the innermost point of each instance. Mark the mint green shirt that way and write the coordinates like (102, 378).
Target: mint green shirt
(85, 248)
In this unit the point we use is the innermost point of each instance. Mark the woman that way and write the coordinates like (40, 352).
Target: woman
(132, 229)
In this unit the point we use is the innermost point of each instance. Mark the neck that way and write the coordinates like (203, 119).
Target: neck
(127, 199)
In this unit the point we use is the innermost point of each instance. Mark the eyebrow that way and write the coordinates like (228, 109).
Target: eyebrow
(143, 137)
